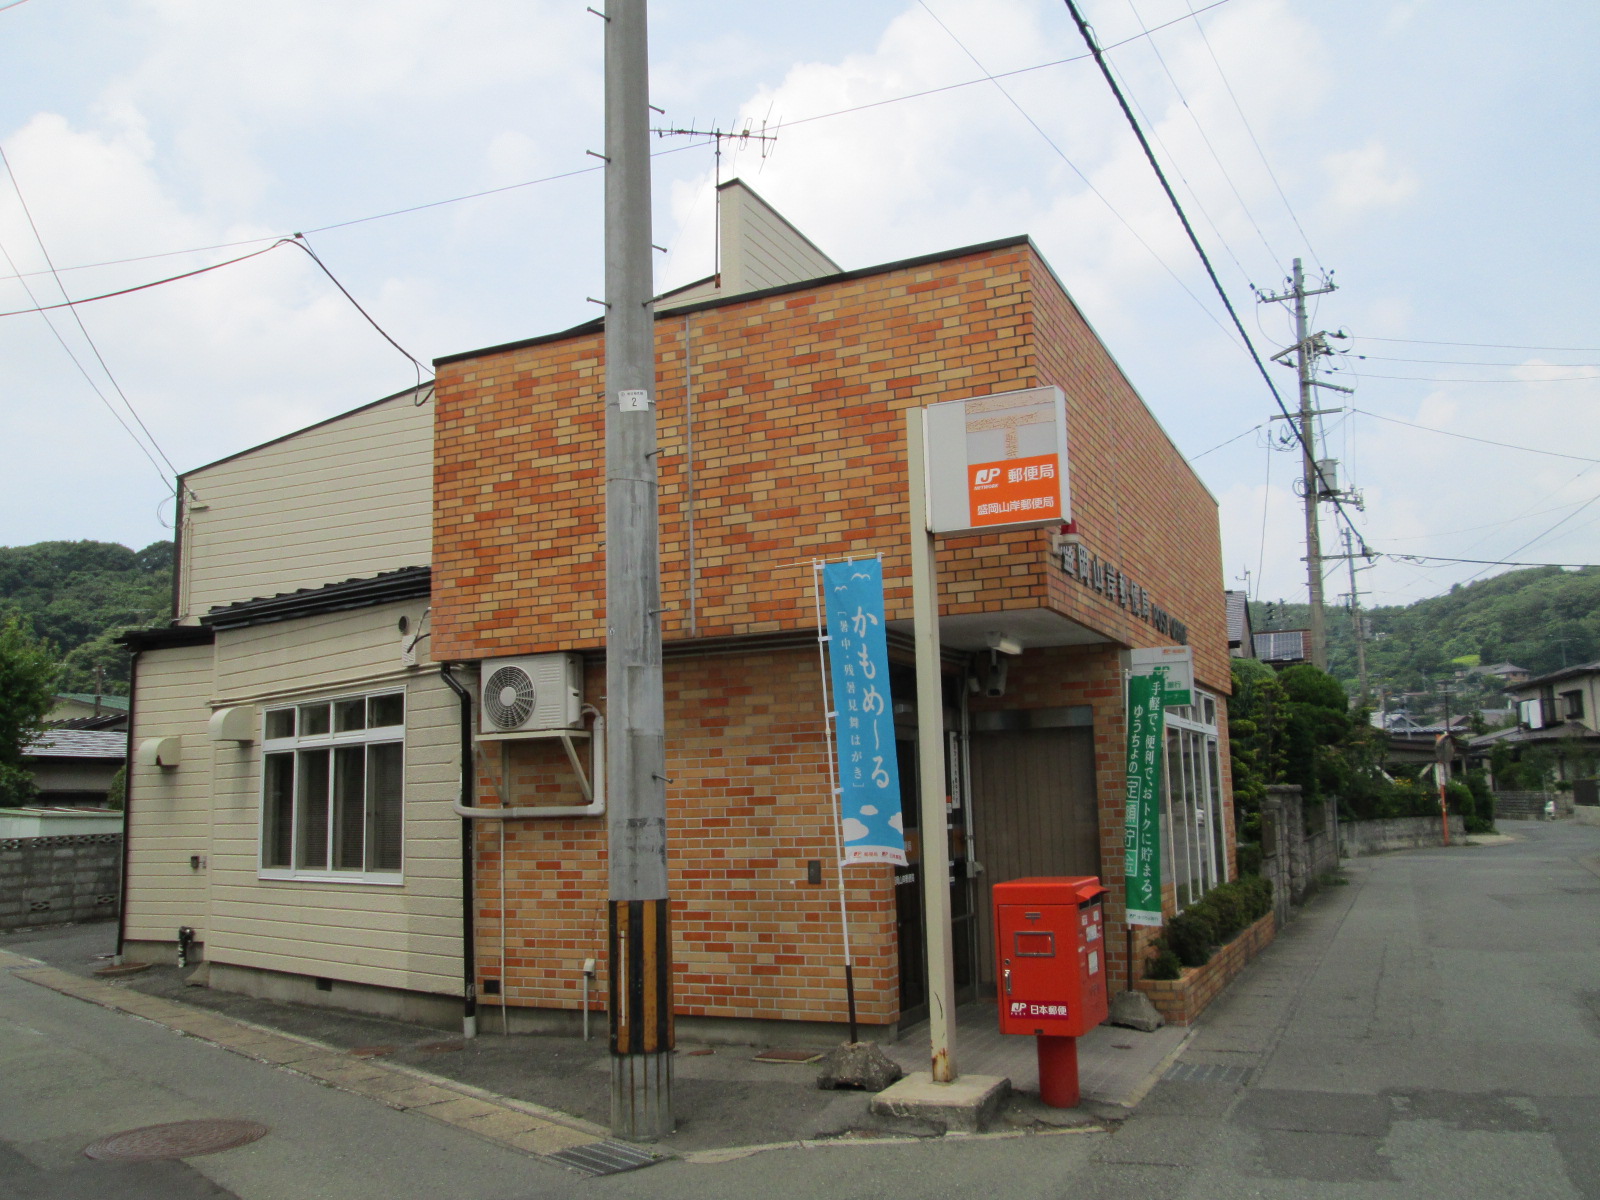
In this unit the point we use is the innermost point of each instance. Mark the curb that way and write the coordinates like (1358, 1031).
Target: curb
(527, 1128)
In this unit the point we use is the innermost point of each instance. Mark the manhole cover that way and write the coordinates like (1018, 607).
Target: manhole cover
(441, 1047)
(370, 1051)
(180, 1139)
(116, 969)
(605, 1158)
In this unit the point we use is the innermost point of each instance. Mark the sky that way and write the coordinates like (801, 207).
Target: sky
(1435, 160)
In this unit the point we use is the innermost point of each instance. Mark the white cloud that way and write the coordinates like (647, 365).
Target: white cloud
(1368, 178)
(854, 830)
(897, 822)
(868, 810)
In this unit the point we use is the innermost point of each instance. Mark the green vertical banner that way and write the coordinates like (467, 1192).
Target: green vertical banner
(1142, 827)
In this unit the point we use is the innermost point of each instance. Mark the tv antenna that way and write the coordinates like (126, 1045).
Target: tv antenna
(718, 136)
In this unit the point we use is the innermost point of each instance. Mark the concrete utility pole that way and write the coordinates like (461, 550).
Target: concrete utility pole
(1355, 619)
(1306, 350)
(640, 942)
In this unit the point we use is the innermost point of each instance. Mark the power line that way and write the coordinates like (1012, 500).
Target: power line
(1465, 362)
(1491, 525)
(511, 187)
(306, 246)
(13, 4)
(1255, 141)
(43, 308)
(1194, 192)
(1546, 533)
(16, 186)
(1229, 442)
(1099, 58)
(1483, 345)
(1469, 379)
(1200, 129)
(1086, 180)
(1467, 437)
(89, 379)
(1419, 559)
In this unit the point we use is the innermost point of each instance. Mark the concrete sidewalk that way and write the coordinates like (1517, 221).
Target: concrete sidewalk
(542, 1094)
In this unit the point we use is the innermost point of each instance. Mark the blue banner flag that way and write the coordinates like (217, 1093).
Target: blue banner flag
(858, 662)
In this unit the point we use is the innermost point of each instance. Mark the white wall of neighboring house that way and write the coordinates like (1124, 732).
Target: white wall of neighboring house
(345, 499)
(350, 498)
(405, 936)
(169, 816)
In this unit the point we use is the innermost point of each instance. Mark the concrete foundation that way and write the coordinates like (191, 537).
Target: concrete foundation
(964, 1106)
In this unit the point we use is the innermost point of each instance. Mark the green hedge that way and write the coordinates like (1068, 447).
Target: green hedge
(1212, 921)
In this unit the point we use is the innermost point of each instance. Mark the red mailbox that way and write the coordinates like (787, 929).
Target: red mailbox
(1050, 970)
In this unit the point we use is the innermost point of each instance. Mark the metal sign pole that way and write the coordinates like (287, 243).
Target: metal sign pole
(931, 767)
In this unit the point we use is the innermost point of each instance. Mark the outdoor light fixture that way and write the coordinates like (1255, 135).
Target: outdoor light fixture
(1002, 644)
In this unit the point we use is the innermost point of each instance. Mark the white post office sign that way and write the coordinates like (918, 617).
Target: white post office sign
(997, 462)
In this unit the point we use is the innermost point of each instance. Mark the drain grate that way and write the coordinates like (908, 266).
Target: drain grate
(1207, 1073)
(788, 1056)
(606, 1158)
(180, 1139)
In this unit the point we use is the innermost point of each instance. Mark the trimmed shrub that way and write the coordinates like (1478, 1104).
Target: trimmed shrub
(1249, 858)
(1190, 936)
(1164, 965)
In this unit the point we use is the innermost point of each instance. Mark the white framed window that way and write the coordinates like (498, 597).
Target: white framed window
(332, 789)
(1195, 856)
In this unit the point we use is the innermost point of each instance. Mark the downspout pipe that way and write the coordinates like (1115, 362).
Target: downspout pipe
(469, 948)
(127, 808)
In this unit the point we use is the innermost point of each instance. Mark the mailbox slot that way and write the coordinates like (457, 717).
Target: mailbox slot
(1035, 943)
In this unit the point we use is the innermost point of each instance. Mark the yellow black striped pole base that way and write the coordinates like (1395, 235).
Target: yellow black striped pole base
(641, 977)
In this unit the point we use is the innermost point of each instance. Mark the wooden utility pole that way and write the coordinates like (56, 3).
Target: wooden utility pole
(640, 943)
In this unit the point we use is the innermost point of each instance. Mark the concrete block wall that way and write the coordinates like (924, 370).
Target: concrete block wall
(56, 880)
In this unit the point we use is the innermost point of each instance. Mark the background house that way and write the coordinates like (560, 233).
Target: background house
(75, 767)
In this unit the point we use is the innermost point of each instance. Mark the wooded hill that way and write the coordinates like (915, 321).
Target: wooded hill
(1542, 618)
(78, 596)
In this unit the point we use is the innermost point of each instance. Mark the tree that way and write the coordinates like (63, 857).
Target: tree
(79, 596)
(27, 691)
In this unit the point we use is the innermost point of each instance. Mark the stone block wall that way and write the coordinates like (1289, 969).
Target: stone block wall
(1298, 845)
(57, 880)
(1397, 833)
(1529, 806)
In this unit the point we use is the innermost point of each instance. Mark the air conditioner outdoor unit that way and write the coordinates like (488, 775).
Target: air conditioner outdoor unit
(540, 691)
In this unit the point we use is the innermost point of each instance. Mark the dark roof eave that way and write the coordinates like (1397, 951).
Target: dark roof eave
(597, 325)
(165, 637)
(406, 583)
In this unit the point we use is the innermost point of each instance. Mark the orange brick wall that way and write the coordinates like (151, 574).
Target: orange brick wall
(748, 806)
(798, 453)
(797, 448)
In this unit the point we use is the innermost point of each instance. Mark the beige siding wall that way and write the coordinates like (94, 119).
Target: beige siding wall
(169, 814)
(405, 936)
(760, 249)
(342, 500)
(757, 249)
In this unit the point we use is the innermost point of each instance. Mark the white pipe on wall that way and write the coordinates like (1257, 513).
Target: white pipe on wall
(597, 789)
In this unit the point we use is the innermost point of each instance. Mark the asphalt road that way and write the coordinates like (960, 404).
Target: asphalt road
(1431, 1029)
